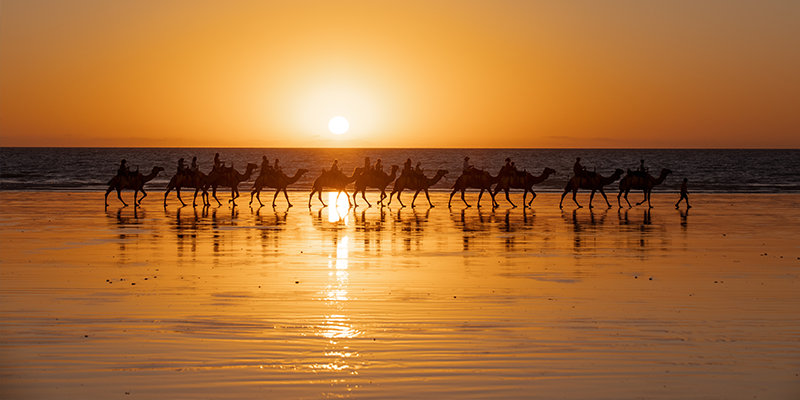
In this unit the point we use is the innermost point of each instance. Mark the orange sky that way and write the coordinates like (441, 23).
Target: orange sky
(405, 74)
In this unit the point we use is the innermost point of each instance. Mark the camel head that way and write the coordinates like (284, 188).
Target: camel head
(251, 167)
(157, 170)
(548, 171)
(618, 172)
(442, 172)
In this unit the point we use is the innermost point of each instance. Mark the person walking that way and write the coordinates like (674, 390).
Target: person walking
(684, 195)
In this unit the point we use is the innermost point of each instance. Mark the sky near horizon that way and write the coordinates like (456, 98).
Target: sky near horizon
(568, 74)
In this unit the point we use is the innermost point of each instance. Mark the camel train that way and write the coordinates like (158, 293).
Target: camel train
(373, 176)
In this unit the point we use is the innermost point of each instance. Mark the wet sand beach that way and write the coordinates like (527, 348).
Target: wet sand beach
(263, 302)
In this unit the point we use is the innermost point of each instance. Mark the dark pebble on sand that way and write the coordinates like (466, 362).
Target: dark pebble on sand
(133, 283)
(296, 282)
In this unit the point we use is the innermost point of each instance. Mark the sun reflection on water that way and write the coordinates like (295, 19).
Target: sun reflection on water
(336, 325)
(339, 207)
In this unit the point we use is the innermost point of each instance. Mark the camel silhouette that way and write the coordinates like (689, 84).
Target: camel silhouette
(525, 182)
(594, 182)
(374, 179)
(478, 179)
(195, 180)
(416, 183)
(644, 183)
(136, 183)
(277, 180)
(230, 178)
(333, 179)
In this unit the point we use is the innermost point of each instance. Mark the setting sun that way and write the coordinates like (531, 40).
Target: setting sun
(338, 125)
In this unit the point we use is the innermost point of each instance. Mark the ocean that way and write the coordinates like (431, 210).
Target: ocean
(708, 170)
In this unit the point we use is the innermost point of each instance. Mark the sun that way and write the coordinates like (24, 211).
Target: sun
(338, 125)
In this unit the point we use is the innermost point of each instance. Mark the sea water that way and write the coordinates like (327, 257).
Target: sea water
(708, 170)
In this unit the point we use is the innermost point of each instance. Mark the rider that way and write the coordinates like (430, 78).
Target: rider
(265, 168)
(467, 167)
(217, 163)
(123, 171)
(578, 169)
(276, 166)
(335, 165)
(378, 167)
(181, 166)
(193, 168)
(407, 168)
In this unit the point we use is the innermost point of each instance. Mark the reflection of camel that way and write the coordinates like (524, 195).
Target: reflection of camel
(633, 180)
(414, 182)
(594, 182)
(374, 179)
(194, 180)
(277, 180)
(228, 178)
(525, 182)
(478, 179)
(336, 180)
(131, 182)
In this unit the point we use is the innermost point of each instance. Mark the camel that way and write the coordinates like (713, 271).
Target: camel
(524, 182)
(277, 180)
(632, 180)
(333, 179)
(593, 182)
(411, 181)
(195, 180)
(230, 178)
(478, 179)
(374, 179)
(131, 182)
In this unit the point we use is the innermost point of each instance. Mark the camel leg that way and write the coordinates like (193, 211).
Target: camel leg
(258, 197)
(169, 189)
(414, 199)
(349, 203)
(462, 197)
(177, 192)
(194, 199)
(144, 194)
(107, 192)
(591, 197)
(626, 199)
(428, 196)
(560, 203)
(508, 198)
(363, 196)
(398, 199)
(119, 196)
(383, 196)
(644, 191)
(479, 197)
(319, 195)
(533, 197)
(214, 195)
(284, 195)
(253, 192)
(605, 197)
(648, 198)
(451, 197)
